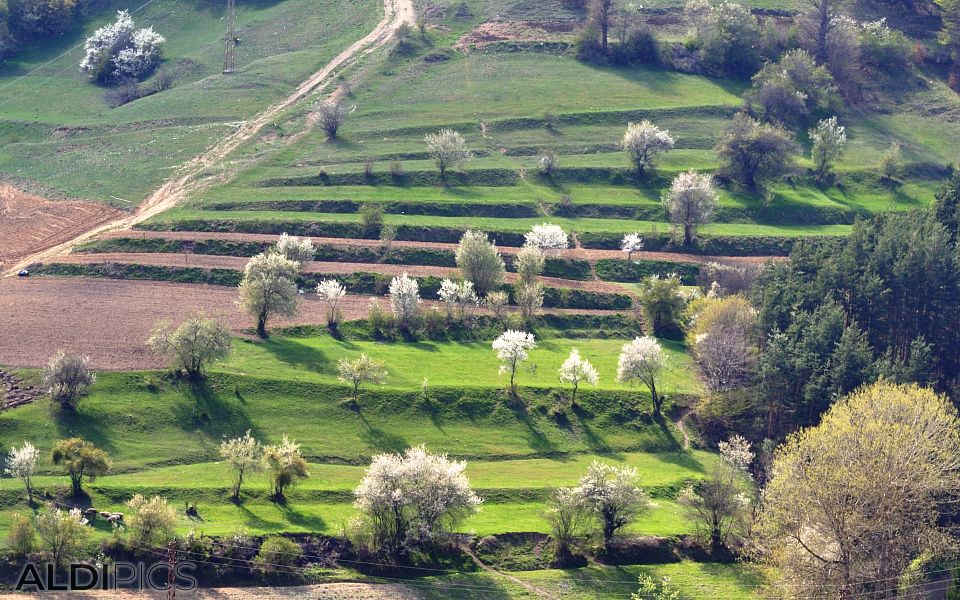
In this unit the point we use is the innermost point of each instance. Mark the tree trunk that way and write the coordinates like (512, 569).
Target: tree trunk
(657, 403)
(262, 324)
(687, 234)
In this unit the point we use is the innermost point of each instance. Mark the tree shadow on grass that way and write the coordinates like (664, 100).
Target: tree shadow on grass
(256, 522)
(379, 439)
(299, 519)
(297, 355)
(84, 422)
(211, 412)
(536, 438)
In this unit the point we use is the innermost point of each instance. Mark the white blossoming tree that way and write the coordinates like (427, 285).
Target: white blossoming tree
(360, 371)
(613, 495)
(193, 346)
(22, 463)
(720, 503)
(690, 201)
(549, 238)
(457, 295)
(448, 150)
(62, 534)
(243, 455)
(412, 497)
(293, 248)
(829, 139)
(512, 348)
(631, 244)
(405, 300)
(643, 142)
(269, 288)
(120, 50)
(67, 377)
(576, 370)
(331, 292)
(642, 361)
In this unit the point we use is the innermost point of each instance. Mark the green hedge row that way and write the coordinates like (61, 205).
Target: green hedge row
(483, 177)
(436, 209)
(410, 233)
(710, 245)
(775, 215)
(633, 271)
(376, 284)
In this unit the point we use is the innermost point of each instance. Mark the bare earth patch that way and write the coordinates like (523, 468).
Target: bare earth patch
(30, 223)
(516, 31)
(110, 320)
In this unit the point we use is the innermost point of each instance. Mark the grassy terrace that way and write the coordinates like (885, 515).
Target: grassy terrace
(287, 385)
(170, 219)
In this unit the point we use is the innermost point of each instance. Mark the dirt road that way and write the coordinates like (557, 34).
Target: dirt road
(189, 176)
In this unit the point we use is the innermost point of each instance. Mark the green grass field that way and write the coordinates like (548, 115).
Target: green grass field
(74, 143)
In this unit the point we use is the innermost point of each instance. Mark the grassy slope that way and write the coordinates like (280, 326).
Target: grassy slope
(127, 151)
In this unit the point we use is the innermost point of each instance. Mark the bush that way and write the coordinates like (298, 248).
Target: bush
(371, 220)
(118, 50)
(21, 537)
(67, 378)
(278, 556)
(642, 47)
(153, 521)
(753, 153)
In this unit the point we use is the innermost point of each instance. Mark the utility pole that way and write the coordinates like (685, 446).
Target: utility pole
(172, 568)
(230, 53)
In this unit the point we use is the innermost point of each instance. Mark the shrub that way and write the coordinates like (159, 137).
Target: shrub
(197, 343)
(753, 153)
(62, 534)
(405, 301)
(329, 116)
(479, 262)
(278, 556)
(21, 537)
(662, 304)
(890, 161)
(788, 90)
(67, 378)
(829, 139)
(285, 464)
(371, 219)
(293, 248)
(152, 521)
(119, 50)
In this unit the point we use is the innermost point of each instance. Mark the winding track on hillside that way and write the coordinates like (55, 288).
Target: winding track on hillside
(189, 176)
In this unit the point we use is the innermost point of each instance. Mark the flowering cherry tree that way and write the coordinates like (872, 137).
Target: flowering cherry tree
(412, 497)
(642, 361)
(119, 50)
(690, 201)
(643, 141)
(512, 348)
(575, 370)
(244, 455)
(631, 244)
(22, 463)
(547, 237)
(360, 371)
(613, 495)
(457, 295)
(331, 292)
(296, 249)
(405, 300)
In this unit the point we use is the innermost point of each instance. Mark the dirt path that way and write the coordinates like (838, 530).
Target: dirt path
(516, 580)
(683, 428)
(189, 176)
(576, 253)
(208, 261)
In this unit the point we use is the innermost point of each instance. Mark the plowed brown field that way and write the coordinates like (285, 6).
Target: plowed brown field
(206, 261)
(110, 320)
(30, 223)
